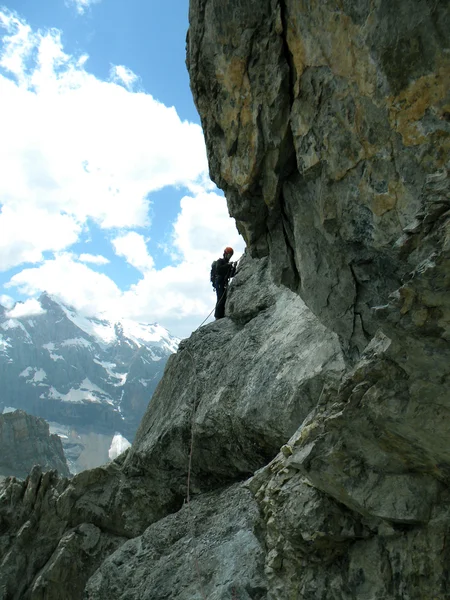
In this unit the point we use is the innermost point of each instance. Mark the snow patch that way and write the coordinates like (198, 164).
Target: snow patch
(107, 332)
(86, 392)
(123, 379)
(26, 372)
(13, 324)
(77, 342)
(38, 375)
(109, 370)
(51, 393)
(118, 445)
(102, 331)
(10, 324)
(144, 334)
(49, 348)
(4, 344)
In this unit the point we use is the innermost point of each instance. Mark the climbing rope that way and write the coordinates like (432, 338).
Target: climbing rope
(191, 453)
(188, 486)
(191, 449)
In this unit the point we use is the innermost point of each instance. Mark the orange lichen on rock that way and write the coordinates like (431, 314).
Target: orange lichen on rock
(409, 107)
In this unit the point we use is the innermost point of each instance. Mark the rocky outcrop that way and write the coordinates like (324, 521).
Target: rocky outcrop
(299, 447)
(233, 393)
(229, 382)
(25, 441)
(165, 563)
(327, 125)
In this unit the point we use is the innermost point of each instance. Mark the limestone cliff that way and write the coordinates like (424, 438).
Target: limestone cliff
(317, 411)
(25, 441)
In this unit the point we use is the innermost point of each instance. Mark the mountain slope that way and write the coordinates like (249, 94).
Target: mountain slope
(84, 373)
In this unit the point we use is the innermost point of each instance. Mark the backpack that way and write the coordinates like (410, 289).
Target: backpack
(213, 272)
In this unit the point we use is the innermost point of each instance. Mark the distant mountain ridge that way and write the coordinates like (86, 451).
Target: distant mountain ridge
(81, 372)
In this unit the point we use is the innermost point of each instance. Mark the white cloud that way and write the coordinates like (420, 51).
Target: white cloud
(27, 231)
(95, 259)
(72, 281)
(6, 301)
(203, 227)
(81, 5)
(178, 297)
(26, 309)
(123, 75)
(133, 248)
(74, 148)
(86, 150)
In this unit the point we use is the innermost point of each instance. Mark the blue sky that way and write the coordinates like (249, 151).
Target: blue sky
(105, 196)
(147, 36)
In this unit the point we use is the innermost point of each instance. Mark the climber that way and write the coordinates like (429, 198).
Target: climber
(221, 272)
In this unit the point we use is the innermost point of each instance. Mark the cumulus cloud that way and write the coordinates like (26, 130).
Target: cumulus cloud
(179, 297)
(81, 5)
(28, 308)
(76, 150)
(74, 282)
(95, 259)
(74, 147)
(6, 301)
(132, 246)
(27, 231)
(203, 227)
(123, 75)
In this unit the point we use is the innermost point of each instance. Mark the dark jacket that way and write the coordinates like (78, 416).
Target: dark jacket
(221, 271)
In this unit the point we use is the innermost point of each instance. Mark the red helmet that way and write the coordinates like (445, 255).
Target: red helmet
(229, 250)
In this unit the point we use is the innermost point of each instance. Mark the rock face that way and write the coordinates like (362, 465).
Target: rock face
(25, 441)
(298, 448)
(155, 565)
(233, 394)
(327, 125)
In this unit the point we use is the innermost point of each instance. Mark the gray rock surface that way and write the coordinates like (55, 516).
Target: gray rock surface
(243, 384)
(240, 387)
(209, 549)
(25, 441)
(324, 122)
(45, 550)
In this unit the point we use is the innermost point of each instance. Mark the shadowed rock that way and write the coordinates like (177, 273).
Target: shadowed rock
(25, 441)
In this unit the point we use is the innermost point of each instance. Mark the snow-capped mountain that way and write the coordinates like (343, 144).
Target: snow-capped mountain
(79, 372)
